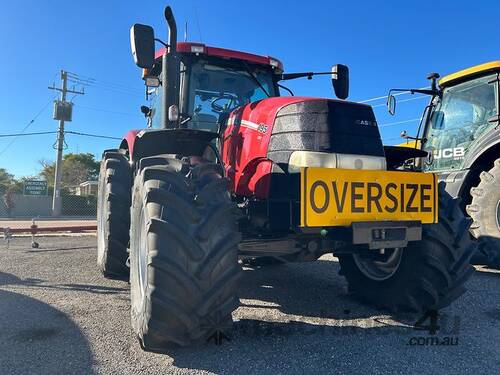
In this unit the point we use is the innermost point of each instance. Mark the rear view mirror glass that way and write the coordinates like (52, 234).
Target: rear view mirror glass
(391, 104)
(340, 80)
(142, 42)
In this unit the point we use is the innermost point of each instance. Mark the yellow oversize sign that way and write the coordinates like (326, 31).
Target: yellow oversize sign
(339, 197)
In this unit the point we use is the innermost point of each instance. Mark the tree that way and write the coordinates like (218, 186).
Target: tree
(6, 180)
(76, 168)
(8, 186)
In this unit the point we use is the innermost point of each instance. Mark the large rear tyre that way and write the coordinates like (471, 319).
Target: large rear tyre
(113, 214)
(183, 262)
(427, 275)
(485, 212)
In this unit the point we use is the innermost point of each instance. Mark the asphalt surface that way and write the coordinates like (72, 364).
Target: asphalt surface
(59, 316)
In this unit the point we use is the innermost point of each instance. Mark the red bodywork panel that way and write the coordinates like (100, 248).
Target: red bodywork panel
(185, 47)
(128, 141)
(246, 142)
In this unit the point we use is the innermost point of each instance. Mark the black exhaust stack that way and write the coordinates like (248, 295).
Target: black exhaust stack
(171, 75)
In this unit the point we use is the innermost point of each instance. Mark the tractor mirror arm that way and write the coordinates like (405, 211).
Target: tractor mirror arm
(418, 91)
(391, 98)
(309, 75)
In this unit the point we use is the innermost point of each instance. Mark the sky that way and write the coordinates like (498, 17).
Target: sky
(386, 44)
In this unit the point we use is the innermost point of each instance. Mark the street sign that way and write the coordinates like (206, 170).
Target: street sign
(33, 187)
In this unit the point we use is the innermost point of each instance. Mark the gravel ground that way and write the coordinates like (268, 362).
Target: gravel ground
(59, 316)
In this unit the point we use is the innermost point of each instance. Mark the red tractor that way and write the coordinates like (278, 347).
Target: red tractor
(228, 172)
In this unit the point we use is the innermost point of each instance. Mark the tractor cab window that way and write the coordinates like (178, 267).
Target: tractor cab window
(218, 88)
(458, 120)
(156, 108)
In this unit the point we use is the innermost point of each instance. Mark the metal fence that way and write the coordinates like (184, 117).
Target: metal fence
(27, 189)
(32, 215)
(20, 206)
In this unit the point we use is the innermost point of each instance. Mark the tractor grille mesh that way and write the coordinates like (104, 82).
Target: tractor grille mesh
(327, 126)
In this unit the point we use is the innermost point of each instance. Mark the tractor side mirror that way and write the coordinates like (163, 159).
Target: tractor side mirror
(142, 42)
(146, 111)
(391, 104)
(340, 80)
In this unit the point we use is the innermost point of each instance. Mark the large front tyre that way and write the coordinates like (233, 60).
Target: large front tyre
(427, 275)
(485, 212)
(113, 214)
(184, 268)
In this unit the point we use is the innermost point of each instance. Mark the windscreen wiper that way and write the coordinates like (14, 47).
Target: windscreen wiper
(256, 80)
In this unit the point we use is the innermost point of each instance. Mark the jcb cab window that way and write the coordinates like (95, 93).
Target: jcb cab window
(458, 120)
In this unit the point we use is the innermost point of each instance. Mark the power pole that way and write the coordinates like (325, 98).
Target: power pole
(62, 112)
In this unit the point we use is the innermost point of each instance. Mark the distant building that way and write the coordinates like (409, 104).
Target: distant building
(87, 188)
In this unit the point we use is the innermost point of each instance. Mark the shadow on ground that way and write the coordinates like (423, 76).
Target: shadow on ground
(34, 335)
(9, 279)
(305, 289)
(321, 331)
(41, 250)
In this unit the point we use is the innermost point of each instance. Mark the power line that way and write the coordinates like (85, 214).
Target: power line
(385, 96)
(393, 139)
(92, 135)
(88, 82)
(402, 101)
(26, 134)
(102, 87)
(81, 77)
(54, 132)
(108, 111)
(399, 122)
(27, 126)
(105, 85)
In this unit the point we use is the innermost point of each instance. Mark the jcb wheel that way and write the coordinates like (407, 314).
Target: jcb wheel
(485, 212)
(183, 261)
(427, 275)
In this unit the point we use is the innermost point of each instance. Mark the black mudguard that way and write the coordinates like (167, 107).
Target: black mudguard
(187, 142)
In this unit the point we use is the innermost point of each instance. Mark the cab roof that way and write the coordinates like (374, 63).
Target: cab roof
(199, 48)
(468, 73)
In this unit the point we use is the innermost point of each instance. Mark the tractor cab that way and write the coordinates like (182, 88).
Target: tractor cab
(464, 113)
(213, 82)
(461, 117)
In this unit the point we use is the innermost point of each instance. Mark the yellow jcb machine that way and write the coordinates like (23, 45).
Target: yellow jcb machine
(460, 131)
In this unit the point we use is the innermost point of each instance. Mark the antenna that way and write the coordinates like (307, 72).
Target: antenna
(186, 31)
(197, 22)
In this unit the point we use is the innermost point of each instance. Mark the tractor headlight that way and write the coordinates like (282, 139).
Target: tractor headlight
(348, 161)
(300, 159)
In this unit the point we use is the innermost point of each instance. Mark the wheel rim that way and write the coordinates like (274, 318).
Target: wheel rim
(101, 222)
(498, 215)
(381, 267)
(142, 254)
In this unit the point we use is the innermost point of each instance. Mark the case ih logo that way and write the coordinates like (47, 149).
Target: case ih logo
(366, 122)
(262, 128)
